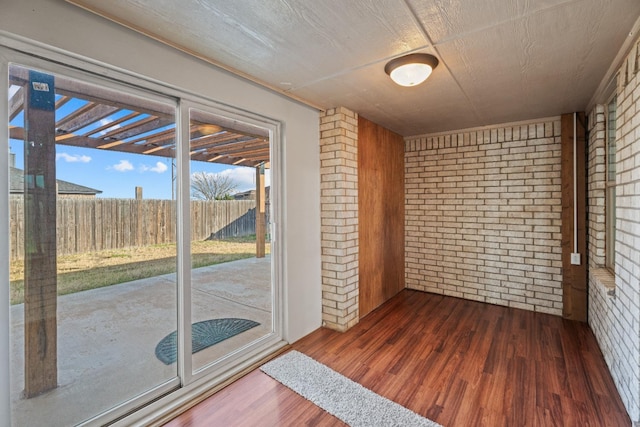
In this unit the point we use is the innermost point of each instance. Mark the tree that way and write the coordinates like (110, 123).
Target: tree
(211, 186)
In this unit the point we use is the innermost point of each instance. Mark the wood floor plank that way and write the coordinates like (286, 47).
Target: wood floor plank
(457, 362)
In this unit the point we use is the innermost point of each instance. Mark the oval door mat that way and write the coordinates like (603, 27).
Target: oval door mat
(203, 334)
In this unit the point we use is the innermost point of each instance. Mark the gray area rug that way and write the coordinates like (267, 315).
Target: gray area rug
(338, 395)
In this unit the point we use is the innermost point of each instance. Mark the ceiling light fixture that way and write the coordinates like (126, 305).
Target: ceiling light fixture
(412, 69)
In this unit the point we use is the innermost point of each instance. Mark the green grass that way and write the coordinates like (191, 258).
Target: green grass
(81, 272)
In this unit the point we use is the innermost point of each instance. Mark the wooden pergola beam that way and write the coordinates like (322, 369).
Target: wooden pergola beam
(220, 139)
(113, 123)
(16, 103)
(80, 90)
(87, 117)
(147, 124)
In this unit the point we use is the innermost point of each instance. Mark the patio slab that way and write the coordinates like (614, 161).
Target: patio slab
(107, 338)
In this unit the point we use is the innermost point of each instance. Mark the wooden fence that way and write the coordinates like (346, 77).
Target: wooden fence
(87, 225)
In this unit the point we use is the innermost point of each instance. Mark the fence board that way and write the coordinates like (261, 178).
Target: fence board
(85, 225)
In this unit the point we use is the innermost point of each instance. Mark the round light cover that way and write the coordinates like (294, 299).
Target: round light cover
(411, 70)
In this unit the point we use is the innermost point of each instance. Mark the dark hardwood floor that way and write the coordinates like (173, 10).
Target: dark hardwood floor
(457, 362)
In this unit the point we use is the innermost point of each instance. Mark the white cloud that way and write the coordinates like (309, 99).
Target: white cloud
(123, 166)
(245, 178)
(158, 168)
(73, 158)
(106, 121)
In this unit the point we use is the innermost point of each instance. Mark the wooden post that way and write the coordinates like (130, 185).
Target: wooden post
(260, 212)
(40, 275)
(139, 193)
(574, 274)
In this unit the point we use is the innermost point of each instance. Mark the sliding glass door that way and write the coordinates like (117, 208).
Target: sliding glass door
(140, 243)
(231, 294)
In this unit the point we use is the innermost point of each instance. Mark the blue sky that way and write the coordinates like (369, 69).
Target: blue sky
(117, 174)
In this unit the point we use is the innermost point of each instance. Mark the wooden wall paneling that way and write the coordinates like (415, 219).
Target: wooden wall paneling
(380, 214)
(574, 277)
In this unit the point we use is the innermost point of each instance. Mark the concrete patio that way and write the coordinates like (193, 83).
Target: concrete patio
(107, 338)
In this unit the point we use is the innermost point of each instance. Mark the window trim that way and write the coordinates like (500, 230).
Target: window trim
(610, 186)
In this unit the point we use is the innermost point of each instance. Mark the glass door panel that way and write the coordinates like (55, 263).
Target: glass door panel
(231, 288)
(92, 246)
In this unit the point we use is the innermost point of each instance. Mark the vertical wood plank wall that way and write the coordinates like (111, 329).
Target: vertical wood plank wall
(381, 214)
(574, 277)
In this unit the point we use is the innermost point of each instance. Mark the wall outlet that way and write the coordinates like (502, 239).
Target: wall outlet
(575, 259)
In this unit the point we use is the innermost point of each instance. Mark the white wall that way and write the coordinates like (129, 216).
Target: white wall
(73, 30)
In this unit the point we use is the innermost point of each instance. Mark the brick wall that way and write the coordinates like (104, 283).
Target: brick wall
(483, 215)
(339, 217)
(615, 319)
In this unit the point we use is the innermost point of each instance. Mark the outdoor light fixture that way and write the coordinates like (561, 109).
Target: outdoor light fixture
(412, 69)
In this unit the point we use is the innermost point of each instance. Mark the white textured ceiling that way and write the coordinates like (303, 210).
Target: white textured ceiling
(500, 60)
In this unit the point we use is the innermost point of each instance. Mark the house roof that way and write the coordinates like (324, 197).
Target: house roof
(16, 185)
(251, 194)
